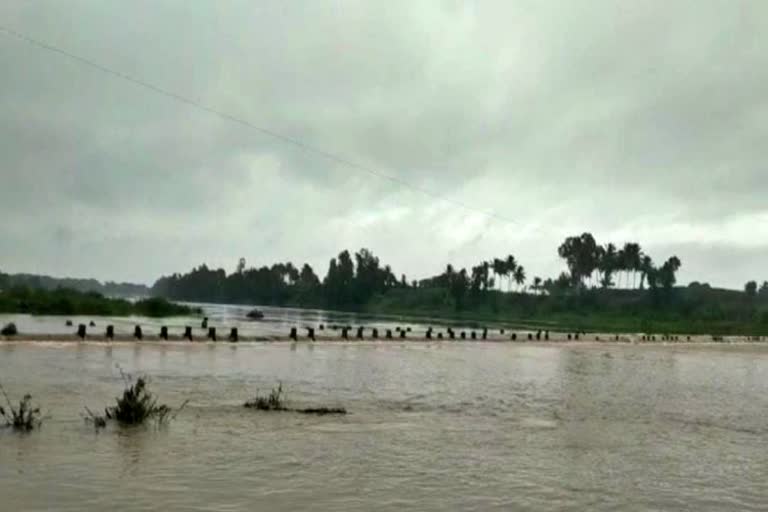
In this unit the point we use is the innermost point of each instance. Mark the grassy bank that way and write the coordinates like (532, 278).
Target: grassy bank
(686, 311)
(64, 301)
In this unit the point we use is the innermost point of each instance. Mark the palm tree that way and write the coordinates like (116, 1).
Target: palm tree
(519, 275)
(646, 266)
(607, 264)
(509, 270)
(537, 284)
(600, 253)
(499, 268)
(621, 266)
(632, 259)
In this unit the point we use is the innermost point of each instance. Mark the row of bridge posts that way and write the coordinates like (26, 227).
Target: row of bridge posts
(138, 333)
(360, 334)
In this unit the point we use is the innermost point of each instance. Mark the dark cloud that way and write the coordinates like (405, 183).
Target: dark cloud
(632, 120)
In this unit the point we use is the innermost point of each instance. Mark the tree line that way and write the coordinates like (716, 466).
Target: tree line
(752, 291)
(349, 281)
(352, 280)
(108, 288)
(589, 263)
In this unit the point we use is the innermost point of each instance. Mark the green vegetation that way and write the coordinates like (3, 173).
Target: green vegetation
(275, 401)
(61, 301)
(136, 406)
(606, 288)
(109, 288)
(23, 418)
(272, 402)
(696, 309)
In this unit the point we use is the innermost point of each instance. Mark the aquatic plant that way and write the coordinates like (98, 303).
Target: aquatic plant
(135, 406)
(272, 402)
(23, 418)
(275, 401)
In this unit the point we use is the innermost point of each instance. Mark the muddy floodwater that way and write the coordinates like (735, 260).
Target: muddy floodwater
(432, 427)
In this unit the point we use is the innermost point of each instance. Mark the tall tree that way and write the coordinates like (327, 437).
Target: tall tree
(631, 259)
(519, 276)
(458, 286)
(307, 277)
(499, 269)
(668, 271)
(646, 266)
(537, 285)
(509, 270)
(580, 254)
(607, 264)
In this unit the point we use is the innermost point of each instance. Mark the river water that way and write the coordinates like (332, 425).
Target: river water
(432, 427)
(277, 321)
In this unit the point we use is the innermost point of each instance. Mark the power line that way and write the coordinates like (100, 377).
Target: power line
(229, 117)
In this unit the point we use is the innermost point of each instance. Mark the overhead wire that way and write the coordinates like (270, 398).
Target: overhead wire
(335, 157)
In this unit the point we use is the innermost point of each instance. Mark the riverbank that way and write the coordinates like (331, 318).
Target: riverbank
(63, 301)
(686, 310)
(530, 312)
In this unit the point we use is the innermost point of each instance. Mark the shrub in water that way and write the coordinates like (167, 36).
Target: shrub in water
(275, 401)
(272, 402)
(23, 418)
(136, 405)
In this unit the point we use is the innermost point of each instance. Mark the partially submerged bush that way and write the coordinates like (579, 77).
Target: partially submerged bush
(134, 407)
(272, 402)
(25, 417)
(275, 401)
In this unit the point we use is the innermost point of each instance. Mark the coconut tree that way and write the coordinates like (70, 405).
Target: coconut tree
(510, 266)
(607, 264)
(499, 269)
(580, 254)
(622, 268)
(519, 276)
(537, 284)
(632, 259)
(646, 266)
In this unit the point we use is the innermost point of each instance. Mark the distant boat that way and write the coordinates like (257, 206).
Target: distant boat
(255, 314)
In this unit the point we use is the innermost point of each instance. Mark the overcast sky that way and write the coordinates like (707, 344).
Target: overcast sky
(643, 121)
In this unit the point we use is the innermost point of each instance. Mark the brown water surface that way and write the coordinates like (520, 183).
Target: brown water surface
(442, 426)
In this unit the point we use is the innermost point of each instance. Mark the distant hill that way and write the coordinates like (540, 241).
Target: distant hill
(108, 288)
